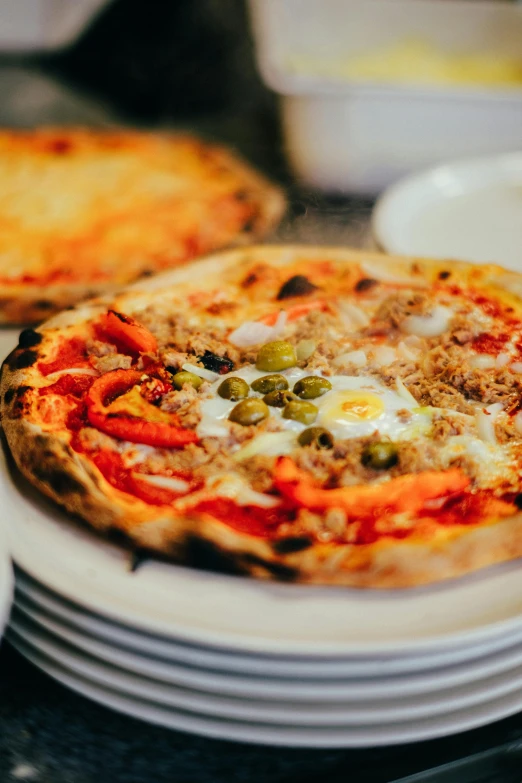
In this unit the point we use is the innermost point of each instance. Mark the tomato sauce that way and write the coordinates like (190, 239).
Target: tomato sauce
(259, 522)
(489, 343)
(70, 353)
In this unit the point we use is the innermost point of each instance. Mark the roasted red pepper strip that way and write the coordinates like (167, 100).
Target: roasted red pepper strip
(129, 332)
(106, 389)
(401, 494)
(295, 312)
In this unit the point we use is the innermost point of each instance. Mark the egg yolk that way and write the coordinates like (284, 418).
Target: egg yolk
(356, 406)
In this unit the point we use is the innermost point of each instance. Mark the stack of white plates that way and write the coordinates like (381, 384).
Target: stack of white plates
(262, 662)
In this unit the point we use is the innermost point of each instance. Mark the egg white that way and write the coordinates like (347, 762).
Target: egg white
(215, 410)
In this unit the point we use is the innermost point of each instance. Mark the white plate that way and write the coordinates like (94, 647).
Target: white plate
(76, 618)
(414, 692)
(318, 737)
(51, 640)
(6, 582)
(468, 210)
(245, 614)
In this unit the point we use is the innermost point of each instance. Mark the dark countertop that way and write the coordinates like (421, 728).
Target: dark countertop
(51, 735)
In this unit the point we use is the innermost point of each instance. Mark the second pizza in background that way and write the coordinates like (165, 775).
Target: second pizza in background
(85, 211)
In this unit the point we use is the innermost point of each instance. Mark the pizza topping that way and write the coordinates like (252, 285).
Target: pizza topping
(256, 332)
(233, 389)
(402, 494)
(201, 372)
(248, 412)
(311, 387)
(128, 332)
(276, 356)
(217, 364)
(486, 418)
(300, 410)
(380, 455)
(149, 426)
(279, 398)
(184, 377)
(432, 325)
(317, 437)
(269, 383)
(298, 285)
(304, 349)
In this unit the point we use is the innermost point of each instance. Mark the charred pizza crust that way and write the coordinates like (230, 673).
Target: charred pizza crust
(69, 478)
(87, 211)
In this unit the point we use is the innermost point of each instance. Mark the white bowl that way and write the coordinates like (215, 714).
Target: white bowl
(469, 210)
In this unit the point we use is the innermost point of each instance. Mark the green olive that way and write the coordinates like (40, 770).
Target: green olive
(269, 383)
(279, 398)
(233, 389)
(317, 437)
(183, 377)
(250, 411)
(276, 356)
(380, 455)
(298, 410)
(311, 387)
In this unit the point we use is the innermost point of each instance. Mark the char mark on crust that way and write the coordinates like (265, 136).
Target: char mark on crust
(277, 570)
(19, 360)
(203, 554)
(17, 395)
(59, 481)
(286, 546)
(137, 558)
(444, 274)
(365, 284)
(298, 285)
(29, 338)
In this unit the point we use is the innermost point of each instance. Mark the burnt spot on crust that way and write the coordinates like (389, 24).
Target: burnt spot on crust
(9, 395)
(205, 555)
(146, 273)
(298, 285)
(18, 360)
(44, 304)
(18, 395)
(29, 338)
(59, 481)
(444, 274)
(518, 500)
(277, 570)
(249, 225)
(365, 284)
(286, 546)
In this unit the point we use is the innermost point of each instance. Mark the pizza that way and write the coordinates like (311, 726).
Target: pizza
(307, 414)
(85, 211)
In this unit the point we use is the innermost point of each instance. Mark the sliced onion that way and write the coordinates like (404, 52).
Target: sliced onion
(230, 486)
(502, 360)
(379, 272)
(73, 371)
(432, 325)
(483, 361)
(271, 443)
(358, 358)
(403, 392)
(406, 352)
(485, 419)
(280, 323)
(356, 316)
(384, 354)
(304, 349)
(207, 375)
(250, 333)
(516, 367)
(165, 482)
